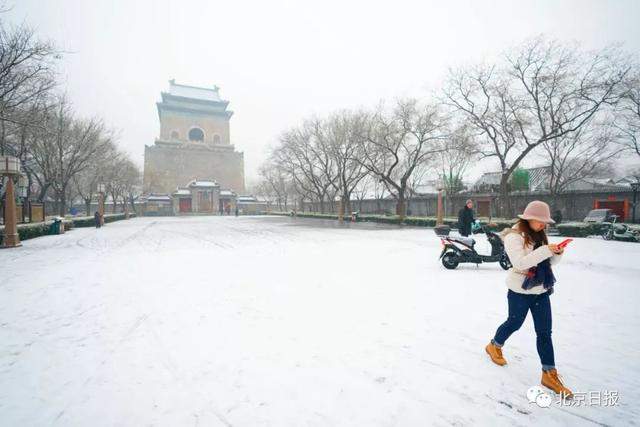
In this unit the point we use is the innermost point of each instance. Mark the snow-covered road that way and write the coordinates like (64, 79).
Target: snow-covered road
(270, 321)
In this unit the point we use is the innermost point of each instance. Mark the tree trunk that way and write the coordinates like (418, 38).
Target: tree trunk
(503, 204)
(401, 208)
(132, 204)
(344, 207)
(62, 203)
(43, 193)
(87, 206)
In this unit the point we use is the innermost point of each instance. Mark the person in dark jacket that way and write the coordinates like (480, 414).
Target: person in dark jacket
(97, 219)
(465, 219)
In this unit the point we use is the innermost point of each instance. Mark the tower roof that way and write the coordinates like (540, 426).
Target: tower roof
(202, 93)
(192, 99)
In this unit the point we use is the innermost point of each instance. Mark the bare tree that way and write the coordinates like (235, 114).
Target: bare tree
(26, 73)
(86, 182)
(340, 135)
(131, 182)
(19, 134)
(275, 184)
(363, 189)
(113, 179)
(541, 91)
(395, 143)
(66, 147)
(459, 151)
(418, 179)
(585, 153)
(628, 114)
(307, 162)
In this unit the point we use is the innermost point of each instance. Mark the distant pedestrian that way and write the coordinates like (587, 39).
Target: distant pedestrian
(237, 210)
(97, 219)
(466, 219)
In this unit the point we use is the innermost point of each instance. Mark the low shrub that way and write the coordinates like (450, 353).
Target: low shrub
(417, 221)
(576, 229)
(89, 221)
(29, 231)
(84, 221)
(37, 229)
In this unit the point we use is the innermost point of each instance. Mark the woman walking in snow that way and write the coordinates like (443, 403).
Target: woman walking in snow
(530, 283)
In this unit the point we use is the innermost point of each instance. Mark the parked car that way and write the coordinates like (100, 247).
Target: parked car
(599, 215)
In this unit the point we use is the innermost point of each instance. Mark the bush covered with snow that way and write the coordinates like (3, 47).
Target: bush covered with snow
(36, 229)
(29, 231)
(577, 229)
(89, 221)
(417, 221)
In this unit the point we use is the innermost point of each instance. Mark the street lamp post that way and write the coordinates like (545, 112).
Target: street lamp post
(10, 167)
(634, 186)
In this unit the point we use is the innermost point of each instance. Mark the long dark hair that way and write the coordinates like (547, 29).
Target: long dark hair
(531, 237)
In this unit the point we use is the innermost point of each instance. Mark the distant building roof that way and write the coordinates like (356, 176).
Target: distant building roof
(428, 187)
(627, 180)
(182, 192)
(192, 100)
(196, 183)
(158, 198)
(227, 193)
(205, 94)
(489, 178)
(539, 178)
(595, 184)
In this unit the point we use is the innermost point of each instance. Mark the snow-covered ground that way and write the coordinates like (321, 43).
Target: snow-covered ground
(270, 321)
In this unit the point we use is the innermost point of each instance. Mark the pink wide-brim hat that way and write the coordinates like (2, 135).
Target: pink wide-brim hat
(539, 211)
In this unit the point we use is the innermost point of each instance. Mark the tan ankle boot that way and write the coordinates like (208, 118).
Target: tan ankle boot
(495, 353)
(550, 379)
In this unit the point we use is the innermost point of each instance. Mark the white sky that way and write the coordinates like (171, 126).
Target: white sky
(280, 61)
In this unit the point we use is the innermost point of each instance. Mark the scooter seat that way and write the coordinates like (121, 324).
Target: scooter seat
(469, 241)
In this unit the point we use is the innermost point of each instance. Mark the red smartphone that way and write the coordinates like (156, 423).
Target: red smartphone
(564, 243)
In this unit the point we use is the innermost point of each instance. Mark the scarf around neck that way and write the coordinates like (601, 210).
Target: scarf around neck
(541, 274)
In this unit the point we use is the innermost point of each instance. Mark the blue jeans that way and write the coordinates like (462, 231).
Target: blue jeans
(519, 306)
